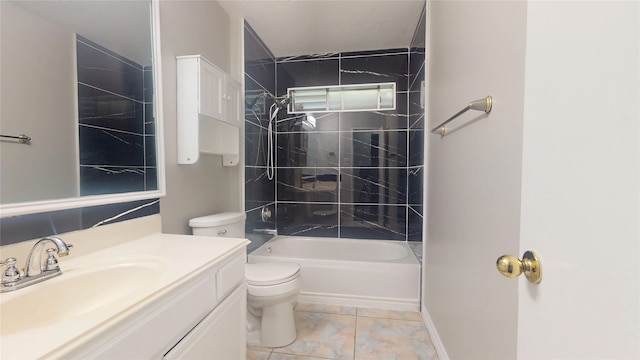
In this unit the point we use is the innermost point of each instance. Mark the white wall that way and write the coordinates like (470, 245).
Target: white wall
(581, 181)
(39, 100)
(475, 48)
(188, 28)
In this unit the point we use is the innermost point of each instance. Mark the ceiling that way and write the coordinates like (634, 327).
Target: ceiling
(303, 27)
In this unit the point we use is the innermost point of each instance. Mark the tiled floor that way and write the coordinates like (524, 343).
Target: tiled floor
(349, 333)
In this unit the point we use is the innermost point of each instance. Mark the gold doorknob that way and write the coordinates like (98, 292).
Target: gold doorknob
(510, 266)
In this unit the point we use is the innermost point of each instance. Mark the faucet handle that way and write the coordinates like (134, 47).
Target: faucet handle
(11, 274)
(51, 263)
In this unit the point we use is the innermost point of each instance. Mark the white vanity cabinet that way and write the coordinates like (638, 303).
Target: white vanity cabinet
(210, 111)
(221, 335)
(203, 318)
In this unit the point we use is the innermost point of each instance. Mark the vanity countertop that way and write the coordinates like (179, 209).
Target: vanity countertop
(176, 259)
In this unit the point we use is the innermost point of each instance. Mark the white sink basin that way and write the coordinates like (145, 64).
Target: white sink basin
(81, 289)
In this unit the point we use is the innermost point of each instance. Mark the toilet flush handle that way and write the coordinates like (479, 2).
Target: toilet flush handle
(222, 232)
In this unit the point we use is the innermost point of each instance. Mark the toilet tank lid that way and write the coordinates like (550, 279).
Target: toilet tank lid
(217, 219)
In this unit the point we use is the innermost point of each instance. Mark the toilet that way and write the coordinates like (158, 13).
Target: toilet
(272, 287)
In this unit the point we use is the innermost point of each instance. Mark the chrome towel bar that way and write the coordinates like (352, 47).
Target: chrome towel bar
(480, 105)
(22, 138)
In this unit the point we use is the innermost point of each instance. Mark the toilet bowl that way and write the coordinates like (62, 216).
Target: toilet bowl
(272, 291)
(272, 288)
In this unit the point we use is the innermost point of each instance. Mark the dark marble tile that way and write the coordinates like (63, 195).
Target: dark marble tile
(100, 179)
(253, 39)
(149, 120)
(416, 73)
(257, 103)
(148, 84)
(373, 185)
(416, 111)
(416, 185)
(150, 154)
(307, 219)
(96, 68)
(374, 69)
(380, 221)
(255, 145)
(414, 224)
(113, 54)
(307, 73)
(102, 109)
(254, 219)
(389, 119)
(263, 72)
(416, 147)
(308, 184)
(259, 190)
(368, 53)
(324, 56)
(26, 227)
(151, 178)
(373, 149)
(119, 212)
(308, 149)
(106, 147)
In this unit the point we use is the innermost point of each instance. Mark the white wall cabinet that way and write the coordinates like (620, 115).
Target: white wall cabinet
(210, 111)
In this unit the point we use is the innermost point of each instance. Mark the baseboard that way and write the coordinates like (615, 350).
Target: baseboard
(359, 301)
(433, 334)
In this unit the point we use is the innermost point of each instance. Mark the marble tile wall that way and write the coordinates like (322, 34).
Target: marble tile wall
(260, 88)
(27, 227)
(116, 123)
(347, 174)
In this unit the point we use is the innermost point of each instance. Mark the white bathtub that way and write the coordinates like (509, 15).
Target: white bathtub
(354, 272)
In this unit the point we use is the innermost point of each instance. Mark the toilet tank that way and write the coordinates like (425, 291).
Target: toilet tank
(229, 224)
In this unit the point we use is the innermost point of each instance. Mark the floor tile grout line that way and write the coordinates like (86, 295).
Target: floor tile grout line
(355, 336)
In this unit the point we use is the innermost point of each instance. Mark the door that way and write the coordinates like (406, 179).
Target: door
(580, 181)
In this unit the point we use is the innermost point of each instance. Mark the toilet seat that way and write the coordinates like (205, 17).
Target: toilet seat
(271, 273)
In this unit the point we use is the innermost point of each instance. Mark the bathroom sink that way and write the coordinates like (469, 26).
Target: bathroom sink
(82, 289)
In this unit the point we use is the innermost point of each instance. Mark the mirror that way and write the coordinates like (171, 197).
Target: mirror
(81, 80)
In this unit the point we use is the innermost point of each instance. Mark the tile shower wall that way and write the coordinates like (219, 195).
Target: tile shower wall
(26, 227)
(349, 174)
(260, 79)
(116, 123)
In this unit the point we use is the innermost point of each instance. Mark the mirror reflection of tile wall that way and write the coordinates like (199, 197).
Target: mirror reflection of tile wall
(116, 124)
(347, 174)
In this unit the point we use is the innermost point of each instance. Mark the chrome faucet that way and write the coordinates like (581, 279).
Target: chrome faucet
(36, 270)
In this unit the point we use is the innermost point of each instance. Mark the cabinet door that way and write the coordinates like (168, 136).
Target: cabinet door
(212, 91)
(234, 102)
(221, 335)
